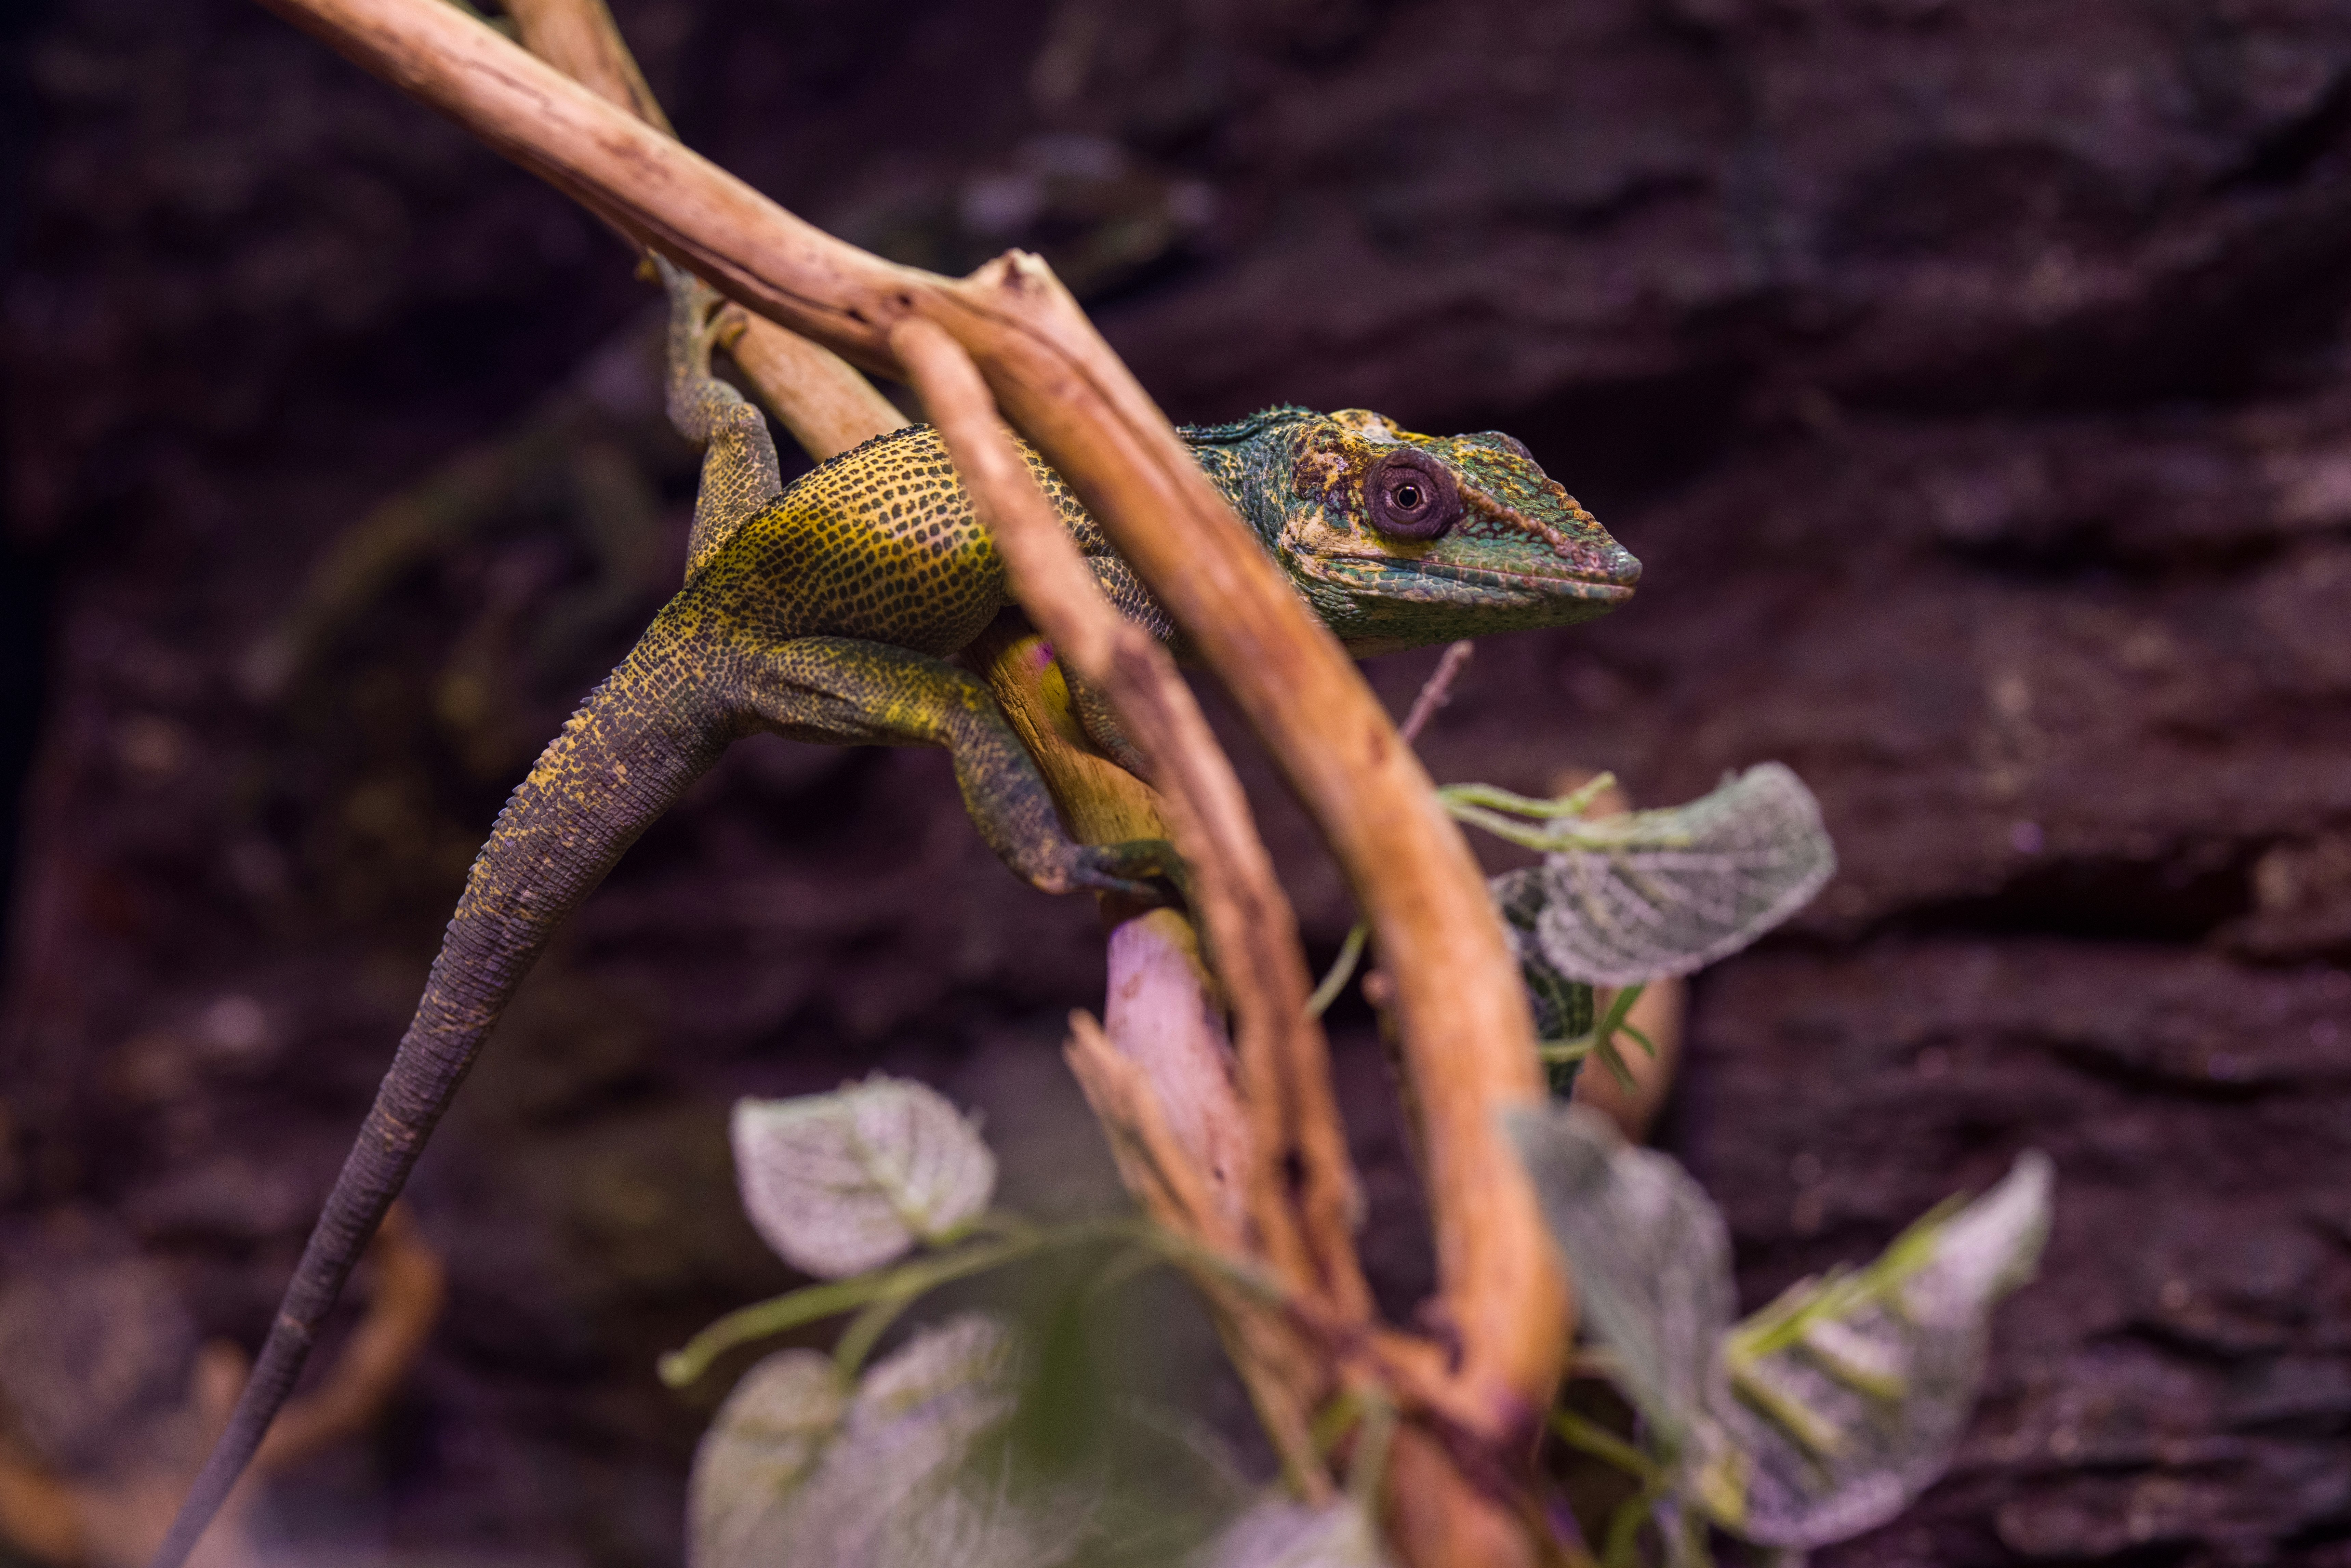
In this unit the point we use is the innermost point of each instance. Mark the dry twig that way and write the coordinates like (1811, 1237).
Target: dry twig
(1437, 690)
(1285, 1067)
(1466, 1030)
(1172, 1033)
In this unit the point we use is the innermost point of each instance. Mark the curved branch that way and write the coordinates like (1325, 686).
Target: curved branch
(1466, 1031)
(1285, 1066)
(820, 399)
(1181, 1126)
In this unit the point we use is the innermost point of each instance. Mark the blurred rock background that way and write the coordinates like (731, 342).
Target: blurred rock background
(1970, 374)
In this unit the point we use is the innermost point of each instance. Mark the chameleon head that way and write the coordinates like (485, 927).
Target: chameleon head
(1400, 539)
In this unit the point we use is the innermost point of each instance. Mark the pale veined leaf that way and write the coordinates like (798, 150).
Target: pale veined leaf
(1827, 1412)
(1850, 1392)
(1648, 894)
(1280, 1533)
(1656, 894)
(1650, 1256)
(841, 1183)
(904, 1472)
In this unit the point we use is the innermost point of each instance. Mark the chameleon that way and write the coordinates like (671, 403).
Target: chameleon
(831, 610)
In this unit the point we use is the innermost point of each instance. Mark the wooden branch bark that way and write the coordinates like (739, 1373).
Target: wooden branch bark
(1298, 1154)
(1166, 1091)
(1465, 1026)
(1285, 1377)
(579, 39)
(818, 397)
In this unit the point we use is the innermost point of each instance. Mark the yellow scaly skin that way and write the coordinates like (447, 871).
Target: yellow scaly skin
(828, 612)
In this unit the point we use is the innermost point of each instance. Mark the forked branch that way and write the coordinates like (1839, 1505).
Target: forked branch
(1178, 1069)
(1285, 1068)
(1466, 1036)
(826, 404)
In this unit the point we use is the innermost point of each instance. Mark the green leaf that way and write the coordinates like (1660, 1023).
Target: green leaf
(1647, 894)
(901, 1472)
(1650, 1256)
(841, 1183)
(1825, 1414)
(1281, 1533)
(1852, 1391)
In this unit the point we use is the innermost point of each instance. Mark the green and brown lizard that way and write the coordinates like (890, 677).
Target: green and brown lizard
(832, 611)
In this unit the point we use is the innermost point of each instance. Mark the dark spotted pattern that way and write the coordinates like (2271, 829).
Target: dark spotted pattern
(827, 612)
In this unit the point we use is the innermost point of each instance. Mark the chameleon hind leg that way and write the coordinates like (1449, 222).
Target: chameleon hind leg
(741, 474)
(844, 691)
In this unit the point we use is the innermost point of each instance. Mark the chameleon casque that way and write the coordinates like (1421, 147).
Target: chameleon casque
(832, 612)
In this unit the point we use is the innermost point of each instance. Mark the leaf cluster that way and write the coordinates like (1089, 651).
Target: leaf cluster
(961, 1445)
(1810, 1420)
(1817, 1417)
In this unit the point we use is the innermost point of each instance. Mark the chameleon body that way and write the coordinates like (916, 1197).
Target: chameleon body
(831, 611)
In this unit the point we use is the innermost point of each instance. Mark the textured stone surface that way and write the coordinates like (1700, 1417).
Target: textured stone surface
(1970, 374)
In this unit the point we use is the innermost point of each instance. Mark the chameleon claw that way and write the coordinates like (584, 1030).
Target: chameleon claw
(1148, 871)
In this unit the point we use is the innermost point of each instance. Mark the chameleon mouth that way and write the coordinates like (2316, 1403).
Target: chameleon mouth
(1597, 571)
(1601, 587)
(1382, 595)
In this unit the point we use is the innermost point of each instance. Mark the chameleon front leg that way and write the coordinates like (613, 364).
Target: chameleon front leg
(845, 691)
(1096, 718)
(741, 474)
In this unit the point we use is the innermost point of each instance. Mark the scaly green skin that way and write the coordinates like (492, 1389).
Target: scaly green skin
(827, 612)
(1533, 557)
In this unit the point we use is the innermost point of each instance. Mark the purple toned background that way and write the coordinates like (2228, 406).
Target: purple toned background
(1970, 374)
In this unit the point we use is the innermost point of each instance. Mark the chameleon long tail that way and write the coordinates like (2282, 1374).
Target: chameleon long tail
(624, 758)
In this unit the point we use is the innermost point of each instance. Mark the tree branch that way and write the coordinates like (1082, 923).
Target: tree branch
(1466, 1031)
(1179, 1128)
(818, 397)
(1285, 1066)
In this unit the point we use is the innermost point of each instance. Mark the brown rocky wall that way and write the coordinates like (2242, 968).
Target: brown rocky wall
(1969, 373)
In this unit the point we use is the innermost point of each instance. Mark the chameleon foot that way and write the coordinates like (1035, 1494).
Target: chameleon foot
(1147, 871)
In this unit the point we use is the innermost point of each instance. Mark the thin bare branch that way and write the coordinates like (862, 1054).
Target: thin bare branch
(579, 39)
(1285, 1378)
(818, 395)
(1437, 690)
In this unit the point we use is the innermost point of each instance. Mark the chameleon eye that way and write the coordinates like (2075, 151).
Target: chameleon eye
(1411, 496)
